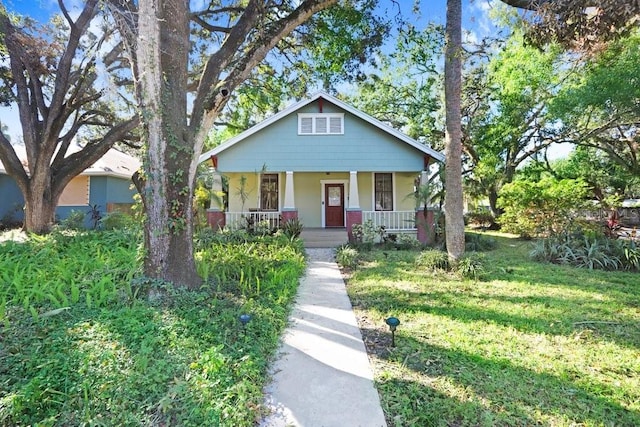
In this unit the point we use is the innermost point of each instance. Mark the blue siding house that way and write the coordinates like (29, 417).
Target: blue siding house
(324, 162)
(106, 185)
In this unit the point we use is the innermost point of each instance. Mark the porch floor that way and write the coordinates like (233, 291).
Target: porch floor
(324, 237)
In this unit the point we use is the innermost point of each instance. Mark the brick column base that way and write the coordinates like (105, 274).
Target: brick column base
(353, 217)
(426, 227)
(288, 215)
(216, 219)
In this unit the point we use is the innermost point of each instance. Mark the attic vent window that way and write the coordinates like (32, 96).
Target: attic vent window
(321, 124)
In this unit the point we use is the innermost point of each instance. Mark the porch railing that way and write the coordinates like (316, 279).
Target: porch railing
(236, 220)
(392, 220)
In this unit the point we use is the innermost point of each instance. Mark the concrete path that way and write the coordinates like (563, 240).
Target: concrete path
(322, 376)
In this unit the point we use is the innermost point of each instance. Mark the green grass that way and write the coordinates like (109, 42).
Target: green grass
(528, 344)
(181, 359)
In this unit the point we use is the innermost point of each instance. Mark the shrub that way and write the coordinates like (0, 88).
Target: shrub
(631, 255)
(433, 260)
(367, 234)
(347, 256)
(471, 266)
(542, 208)
(9, 220)
(292, 228)
(481, 217)
(115, 220)
(478, 243)
(74, 221)
(584, 251)
(406, 241)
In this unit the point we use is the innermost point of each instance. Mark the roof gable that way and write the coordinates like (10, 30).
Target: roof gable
(338, 103)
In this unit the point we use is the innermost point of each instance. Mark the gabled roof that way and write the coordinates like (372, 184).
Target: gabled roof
(114, 163)
(350, 109)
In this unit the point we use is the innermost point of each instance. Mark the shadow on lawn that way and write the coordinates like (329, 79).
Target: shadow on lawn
(457, 388)
(173, 364)
(553, 315)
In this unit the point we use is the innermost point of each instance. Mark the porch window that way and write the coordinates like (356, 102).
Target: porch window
(383, 192)
(320, 124)
(269, 192)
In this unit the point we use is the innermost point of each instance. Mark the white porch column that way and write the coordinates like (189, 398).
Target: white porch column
(289, 201)
(424, 180)
(354, 199)
(216, 192)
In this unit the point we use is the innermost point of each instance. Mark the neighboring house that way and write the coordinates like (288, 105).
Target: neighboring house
(106, 186)
(326, 163)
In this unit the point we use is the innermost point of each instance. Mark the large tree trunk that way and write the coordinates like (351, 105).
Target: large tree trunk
(454, 221)
(39, 209)
(163, 47)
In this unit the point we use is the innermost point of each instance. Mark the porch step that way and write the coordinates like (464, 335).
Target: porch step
(324, 237)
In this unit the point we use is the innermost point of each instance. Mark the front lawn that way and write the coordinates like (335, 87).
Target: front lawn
(81, 343)
(527, 344)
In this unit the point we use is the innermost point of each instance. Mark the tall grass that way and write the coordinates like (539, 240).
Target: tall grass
(107, 357)
(64, 268)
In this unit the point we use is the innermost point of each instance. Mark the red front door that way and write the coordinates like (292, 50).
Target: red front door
(334, 205)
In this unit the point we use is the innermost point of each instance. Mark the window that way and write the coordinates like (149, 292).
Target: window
(321, 124)
(269, 192)
(76, 193)
(383, 192)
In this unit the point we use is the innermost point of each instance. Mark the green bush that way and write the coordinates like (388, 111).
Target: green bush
(587, 251)
(406, 241)
(471, 266)
(433, 260)
(253, 267)
(481, 217)
(347, 257)
(74, 221)
(475, 242)
(116, 220)
(367, 234)
(541, 208)
(292, 228)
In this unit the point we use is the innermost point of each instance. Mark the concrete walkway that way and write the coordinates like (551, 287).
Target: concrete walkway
(322, 376)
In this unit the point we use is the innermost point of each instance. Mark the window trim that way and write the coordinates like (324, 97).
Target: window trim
(393, 191)
(314, 117)
(260, 199)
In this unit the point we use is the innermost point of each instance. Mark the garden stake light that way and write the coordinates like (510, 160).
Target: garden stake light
(393, 323)
(244, 319)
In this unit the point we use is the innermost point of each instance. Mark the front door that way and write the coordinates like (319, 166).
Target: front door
(334, 205)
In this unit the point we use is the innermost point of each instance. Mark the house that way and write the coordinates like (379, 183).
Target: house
(327, 164)
(106, 185)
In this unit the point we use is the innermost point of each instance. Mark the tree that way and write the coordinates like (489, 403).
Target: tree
(580, 25)
(454, 221)
(405, 89)
(515, 87)
(599, 107)
(54, 82)
(545, 207)
(158, 38)
(332, 48)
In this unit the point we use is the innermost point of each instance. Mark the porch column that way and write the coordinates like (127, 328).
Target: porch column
(289, 210)
(354, 212)
(424, 180)
(425, 217)
(215, 213)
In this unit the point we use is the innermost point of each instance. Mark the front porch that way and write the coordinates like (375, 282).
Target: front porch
(394, 222)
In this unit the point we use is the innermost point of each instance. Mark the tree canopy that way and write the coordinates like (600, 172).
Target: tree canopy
(53, 76)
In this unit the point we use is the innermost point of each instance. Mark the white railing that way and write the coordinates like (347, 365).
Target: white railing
(392, 220)
(236, 220)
